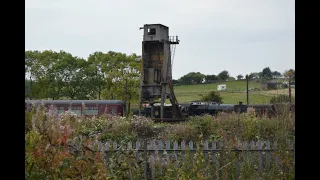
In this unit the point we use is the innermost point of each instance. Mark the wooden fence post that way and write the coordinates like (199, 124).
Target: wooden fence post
(275, 156)
(252, 147)
(145, 158)
(107, 153)
(160, 151)
(206, 148)
(191, 150)
(115, 149)
(214, 148)
(260, 156)
(268, 154)
(137, 154)
(152, 159)
(175, 147)
(168, 152)
(183, 147)
(238, 162)
(221, 161)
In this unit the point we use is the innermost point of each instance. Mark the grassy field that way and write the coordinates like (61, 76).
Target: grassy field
(236, 92)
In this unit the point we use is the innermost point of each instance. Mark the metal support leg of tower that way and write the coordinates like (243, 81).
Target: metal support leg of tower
(152, 114)
(163, 99)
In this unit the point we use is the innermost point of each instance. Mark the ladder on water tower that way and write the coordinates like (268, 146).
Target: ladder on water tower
(176, 111)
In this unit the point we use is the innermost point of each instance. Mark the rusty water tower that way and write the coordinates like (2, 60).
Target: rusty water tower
(156, 75)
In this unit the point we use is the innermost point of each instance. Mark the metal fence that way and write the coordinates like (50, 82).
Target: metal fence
(156, 155)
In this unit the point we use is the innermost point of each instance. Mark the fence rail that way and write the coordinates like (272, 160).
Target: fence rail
(156, 153)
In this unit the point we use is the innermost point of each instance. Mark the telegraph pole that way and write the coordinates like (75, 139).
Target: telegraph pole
(290, 90)
(247, 79)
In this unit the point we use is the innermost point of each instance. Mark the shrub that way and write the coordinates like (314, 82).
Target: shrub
(282, 98)
(118, 129)
(47, 153)
(203, 125)
(28, 121)
(143, 127)
(179, 132)
(212, 96)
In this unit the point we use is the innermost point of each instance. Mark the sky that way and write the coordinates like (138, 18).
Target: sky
(240, 36)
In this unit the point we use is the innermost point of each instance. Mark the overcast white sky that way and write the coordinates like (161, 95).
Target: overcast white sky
(240, 36)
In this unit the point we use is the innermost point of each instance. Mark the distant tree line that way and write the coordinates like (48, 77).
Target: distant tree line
(60, 75)
(198, 78)
(112, 75)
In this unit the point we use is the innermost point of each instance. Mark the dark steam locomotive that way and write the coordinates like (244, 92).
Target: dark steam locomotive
(212, 108)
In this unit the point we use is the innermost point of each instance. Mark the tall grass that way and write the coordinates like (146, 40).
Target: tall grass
(49, 154)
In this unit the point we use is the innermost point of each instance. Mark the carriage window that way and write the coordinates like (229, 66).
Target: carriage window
(113, 110)
(51, 109)
(60, 110)
(76, 110)
(258, 110)
(91, 111)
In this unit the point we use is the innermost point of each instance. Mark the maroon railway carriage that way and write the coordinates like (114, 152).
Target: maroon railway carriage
(92, 107)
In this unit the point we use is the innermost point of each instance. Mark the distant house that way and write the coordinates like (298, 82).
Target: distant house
(222, 87)
(269, 85)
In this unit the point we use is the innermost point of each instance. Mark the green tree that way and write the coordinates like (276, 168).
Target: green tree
(240, 76)
(175, 82)
(54, 76)
(290, 74)
(59, 74)
(74, 77)
(39, 66)
(130, 79)
(31, 58)
(192, 78)
(27, 88)
(224, 75)
(253, 75)
(212, 96)
(276, 74)
(122, 77)
(210, 78)
(266, 74)
(96, 72)
(231, 79)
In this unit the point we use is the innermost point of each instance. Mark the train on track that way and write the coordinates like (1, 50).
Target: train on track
(117, 107)
(212, 108)
(92, 107)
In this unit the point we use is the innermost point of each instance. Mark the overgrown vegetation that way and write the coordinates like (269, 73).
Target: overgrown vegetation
(282, 98)
(49, 154)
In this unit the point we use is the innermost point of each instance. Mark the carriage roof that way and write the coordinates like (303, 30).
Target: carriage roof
(75, 101)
